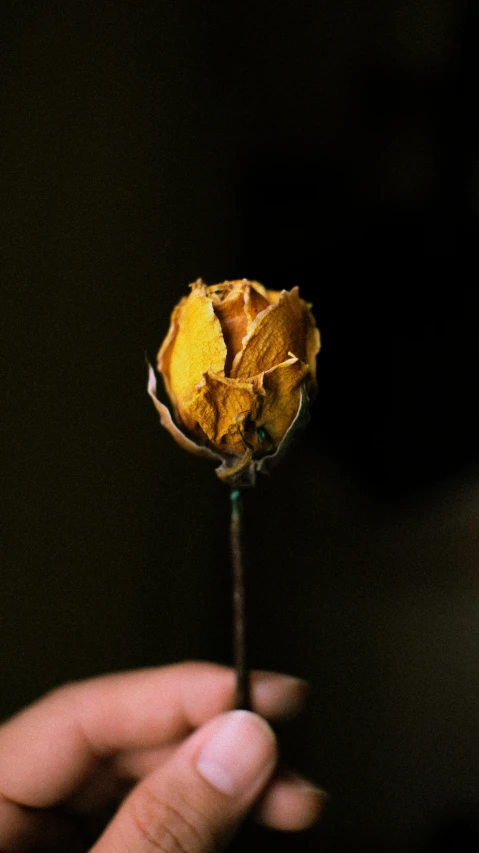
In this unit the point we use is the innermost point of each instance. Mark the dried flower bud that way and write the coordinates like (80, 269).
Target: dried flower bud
(239, 366)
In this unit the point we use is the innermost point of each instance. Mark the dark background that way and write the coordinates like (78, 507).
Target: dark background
(327, 144)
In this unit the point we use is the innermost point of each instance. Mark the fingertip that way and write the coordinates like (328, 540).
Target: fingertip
(239, 755)
(278, 696)
(291, 803)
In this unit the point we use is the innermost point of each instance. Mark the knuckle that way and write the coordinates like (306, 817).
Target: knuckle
(165, 828)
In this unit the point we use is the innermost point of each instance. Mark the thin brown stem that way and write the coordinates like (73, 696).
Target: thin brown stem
(239, 611)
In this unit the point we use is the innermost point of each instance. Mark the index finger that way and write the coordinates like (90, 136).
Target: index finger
(49, 749)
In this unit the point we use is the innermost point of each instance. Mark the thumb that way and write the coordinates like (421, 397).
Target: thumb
(196, 800)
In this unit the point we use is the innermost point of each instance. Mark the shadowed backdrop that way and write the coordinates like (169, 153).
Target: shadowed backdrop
(330, 145)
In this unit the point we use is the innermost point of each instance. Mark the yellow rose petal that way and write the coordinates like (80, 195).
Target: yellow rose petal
(281, 400)
(229, 307)
(280, 329)
(256, 300)
(222, 407)
(194, 345)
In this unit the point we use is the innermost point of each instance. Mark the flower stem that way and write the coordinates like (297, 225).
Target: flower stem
(239, 611)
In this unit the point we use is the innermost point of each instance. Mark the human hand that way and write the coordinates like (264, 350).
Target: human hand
(196, 767)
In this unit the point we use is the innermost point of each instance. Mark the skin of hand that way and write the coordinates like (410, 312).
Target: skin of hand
(160, 753)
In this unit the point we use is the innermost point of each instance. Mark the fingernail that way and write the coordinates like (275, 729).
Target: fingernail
(239, 754)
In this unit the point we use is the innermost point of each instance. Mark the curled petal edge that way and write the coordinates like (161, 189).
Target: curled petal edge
(233, 471)
(169, 424)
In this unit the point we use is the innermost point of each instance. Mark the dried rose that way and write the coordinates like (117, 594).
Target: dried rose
(239, 366)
